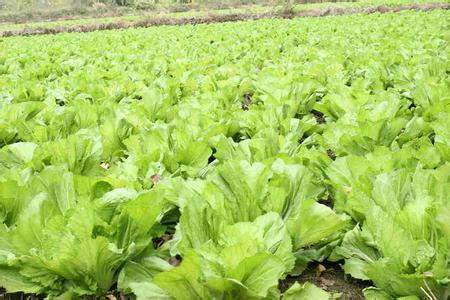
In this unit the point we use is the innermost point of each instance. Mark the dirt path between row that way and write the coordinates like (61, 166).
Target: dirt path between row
(330, 278)
(158, 21)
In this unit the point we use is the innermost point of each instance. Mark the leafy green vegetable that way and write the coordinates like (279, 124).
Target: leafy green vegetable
(305, 291)
(213, 161)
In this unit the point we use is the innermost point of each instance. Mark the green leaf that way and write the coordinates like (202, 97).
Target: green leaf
(183, 282)
(148, 291)
(372, 293)
(13, 281)
(259, 273)
(304, 292)
(136, 275)
(315, 222)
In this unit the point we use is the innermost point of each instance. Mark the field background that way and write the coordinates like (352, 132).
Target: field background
(38, 13)
(46, 14)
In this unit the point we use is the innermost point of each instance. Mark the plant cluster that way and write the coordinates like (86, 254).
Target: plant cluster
(211, 161)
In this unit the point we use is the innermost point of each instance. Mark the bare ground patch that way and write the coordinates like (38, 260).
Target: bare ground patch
(331, 278)
(159, 21)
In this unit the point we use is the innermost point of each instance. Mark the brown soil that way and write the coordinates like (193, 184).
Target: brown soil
(246, 101)
(62, 15)
(108, 10)
(18, 296)
(331, 278)
(158, 21)
(320, 117)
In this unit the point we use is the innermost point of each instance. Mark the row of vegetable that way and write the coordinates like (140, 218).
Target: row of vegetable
(212, 161)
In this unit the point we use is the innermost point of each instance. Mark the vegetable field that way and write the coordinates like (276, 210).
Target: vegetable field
(215, 161)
